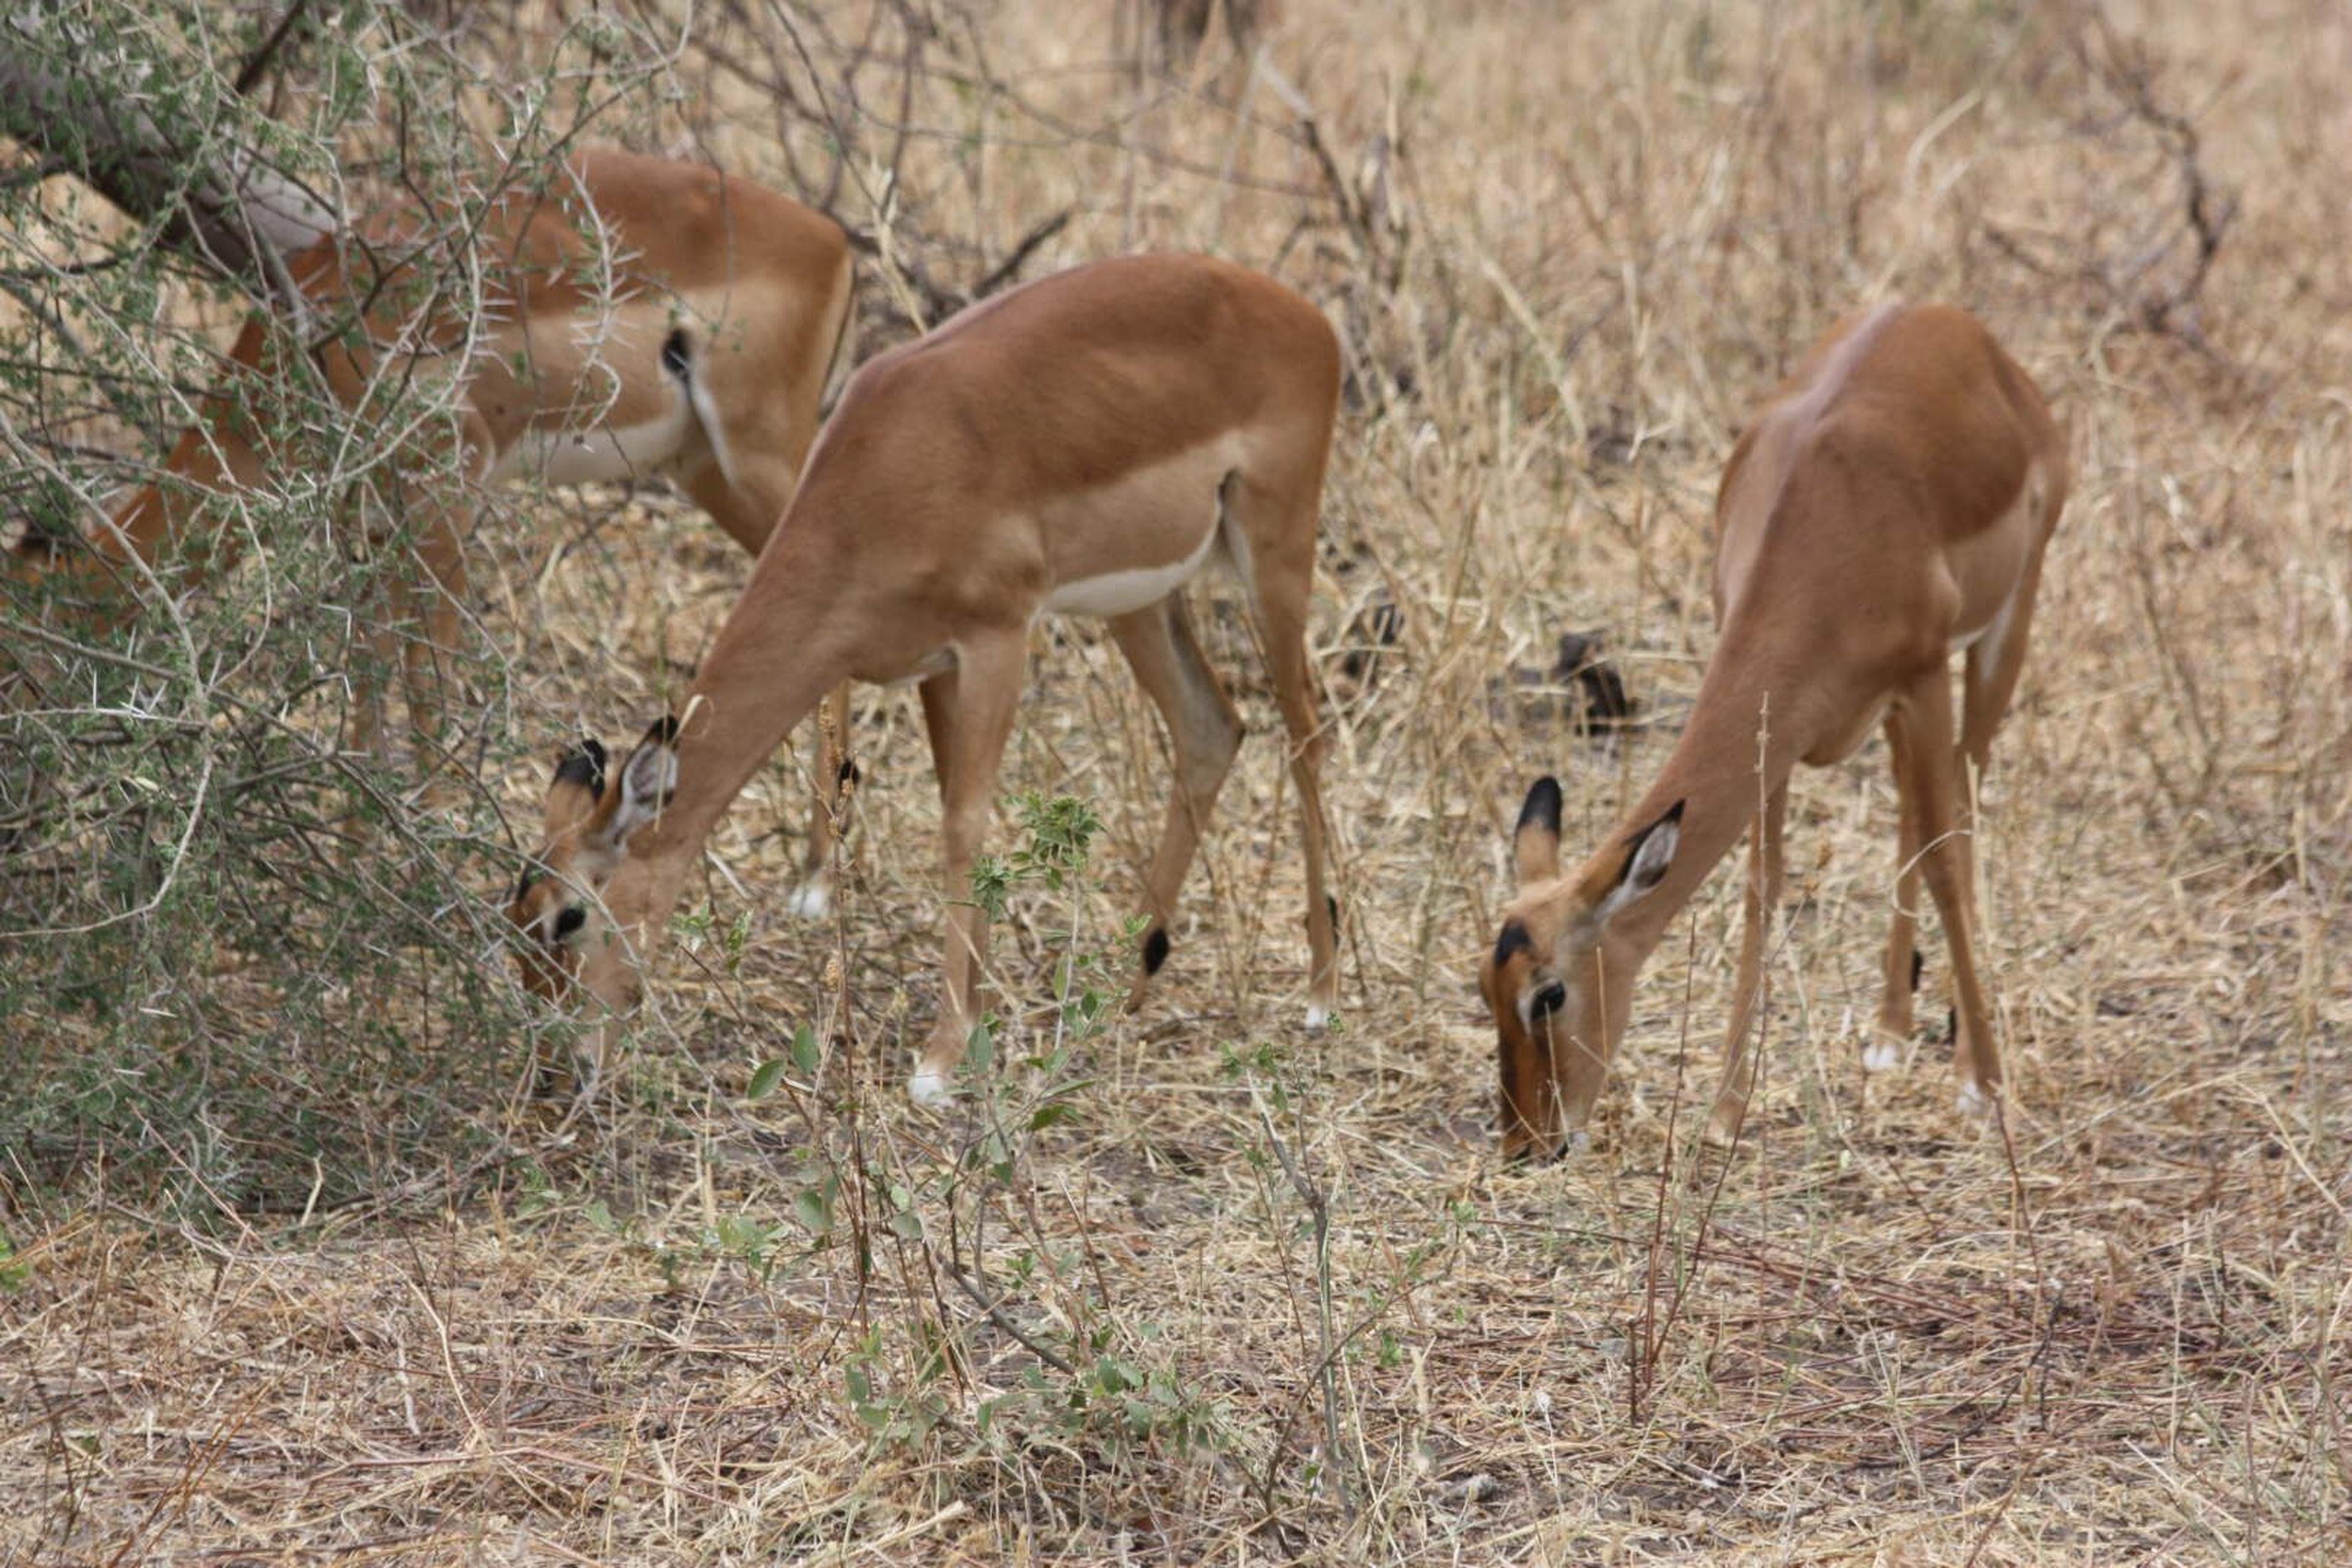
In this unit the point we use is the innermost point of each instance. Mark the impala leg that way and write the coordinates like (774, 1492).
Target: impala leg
(1282, 627)
(1947, 860)
(368, 680)
(395, 642)
(1764, 861)
(381, 611)
(976, 704)
(829, 757)
(1204, 733)
(429, 649)
(1902, 970)
(428, 604)
(1994, 664)
(1993, 667)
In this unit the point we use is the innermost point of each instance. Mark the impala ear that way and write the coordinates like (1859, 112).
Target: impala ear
(1535, 846)
(584, 764)
(573, 791)
(648, 780)
(1647, 863)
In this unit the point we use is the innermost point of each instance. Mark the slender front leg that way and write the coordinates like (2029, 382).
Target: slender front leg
(813, 899)
(1282, 589)
(1902, 970)
(1763, 899)
(429, 656)
(974, 711)
(1934, 769)
(370, 677)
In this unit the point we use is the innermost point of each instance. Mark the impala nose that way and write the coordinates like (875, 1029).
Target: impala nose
(1550, 998)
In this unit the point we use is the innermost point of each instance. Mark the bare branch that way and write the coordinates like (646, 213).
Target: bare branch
(228, 208)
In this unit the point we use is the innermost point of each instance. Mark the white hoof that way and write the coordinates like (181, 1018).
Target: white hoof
(1579, 1143)
(810, 901)
(1974, 1102)
(929, 1090)
(1881, 1055)
(1318, 1016)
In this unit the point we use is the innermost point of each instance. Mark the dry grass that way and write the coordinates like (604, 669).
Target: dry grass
(1873, 1335)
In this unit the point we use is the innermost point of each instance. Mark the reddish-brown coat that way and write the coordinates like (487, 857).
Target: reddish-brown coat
(1889, 503)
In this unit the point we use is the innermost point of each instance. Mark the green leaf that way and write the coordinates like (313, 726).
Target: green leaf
(764, 1077)
(805, 1055)
(814, 1209)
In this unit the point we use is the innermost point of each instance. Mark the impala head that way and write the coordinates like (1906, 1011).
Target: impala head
(1560, 975)
(591, 812)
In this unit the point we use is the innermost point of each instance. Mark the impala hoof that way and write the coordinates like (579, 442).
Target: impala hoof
(1881, 1055)
(1532, 1154)
(810, 901)
(1319, 1018)
(1974, 1102)
(929, 1090)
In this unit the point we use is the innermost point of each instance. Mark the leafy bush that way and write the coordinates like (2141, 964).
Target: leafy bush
(243, 955)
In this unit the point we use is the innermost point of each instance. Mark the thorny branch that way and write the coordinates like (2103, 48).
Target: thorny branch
(2134, 279)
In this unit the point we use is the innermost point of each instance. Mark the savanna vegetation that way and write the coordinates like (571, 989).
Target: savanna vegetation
(294, 1266)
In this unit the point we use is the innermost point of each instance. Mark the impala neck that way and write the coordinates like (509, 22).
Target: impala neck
(792, 639)
(1754, 718)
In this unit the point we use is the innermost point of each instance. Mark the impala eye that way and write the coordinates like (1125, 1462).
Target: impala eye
(569, 922)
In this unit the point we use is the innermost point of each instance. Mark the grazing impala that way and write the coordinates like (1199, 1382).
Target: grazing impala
(636, 316)
(1083, 444)
(1887, 509)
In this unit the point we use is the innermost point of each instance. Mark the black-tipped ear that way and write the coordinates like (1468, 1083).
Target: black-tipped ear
(584, 764)
(1535, 846)
(1542, 807)
(1648, 856)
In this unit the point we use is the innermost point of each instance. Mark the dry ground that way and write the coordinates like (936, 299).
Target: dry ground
(1304, 1313)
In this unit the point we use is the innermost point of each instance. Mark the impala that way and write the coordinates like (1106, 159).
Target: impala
(1887, 509)
(1084, 443)
(637, 316)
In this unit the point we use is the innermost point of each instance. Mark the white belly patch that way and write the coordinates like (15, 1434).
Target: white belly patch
(1120, 593)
